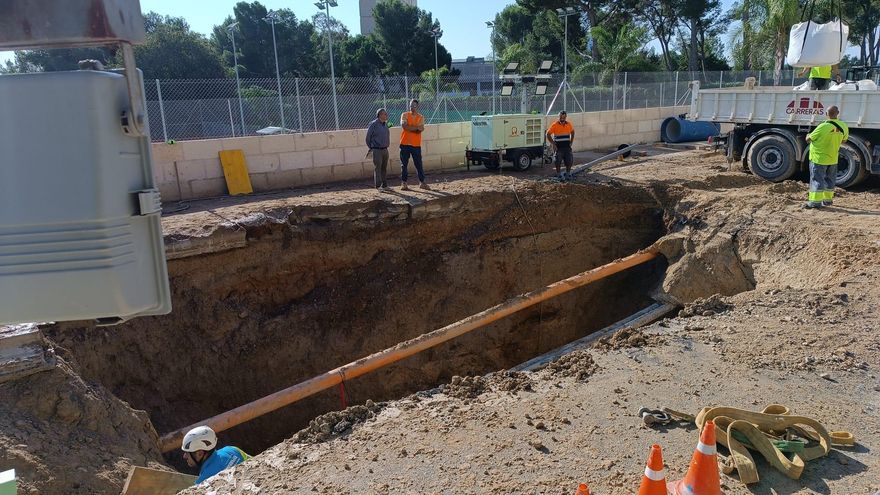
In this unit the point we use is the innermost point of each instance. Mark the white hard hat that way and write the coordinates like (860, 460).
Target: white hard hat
(199, 438)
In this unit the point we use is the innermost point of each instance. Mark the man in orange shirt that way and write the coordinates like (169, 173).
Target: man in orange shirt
(561, 137)
(413, 124)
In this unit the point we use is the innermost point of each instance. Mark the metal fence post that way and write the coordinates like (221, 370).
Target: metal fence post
(299, 111)
(314, 114)
(584, 93)
(624, 90)
(675, 101)
(661, 94)
(162, 109)
(231, 121)
(792, 77)
(406, 86)
(721, 80)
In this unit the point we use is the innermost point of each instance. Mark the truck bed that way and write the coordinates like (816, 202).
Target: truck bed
(783, 106)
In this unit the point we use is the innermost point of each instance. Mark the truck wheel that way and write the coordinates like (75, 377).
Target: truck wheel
(522, 160)
(772, 158)
(490, 164)
(851, 168)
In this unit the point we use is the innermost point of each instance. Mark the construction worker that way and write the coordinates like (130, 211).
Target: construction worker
(378, 138)
(820, 76)
(200, 450)
(561, 137)
(824, 145)
(413, 124)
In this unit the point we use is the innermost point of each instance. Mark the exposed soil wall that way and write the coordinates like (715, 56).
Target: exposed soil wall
(320, 286)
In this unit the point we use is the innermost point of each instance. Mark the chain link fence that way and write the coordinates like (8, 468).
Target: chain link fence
(205, 109)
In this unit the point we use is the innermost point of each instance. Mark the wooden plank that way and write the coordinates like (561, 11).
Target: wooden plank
(235, 170)
(146, 481)
(636, 320)
(8, 483)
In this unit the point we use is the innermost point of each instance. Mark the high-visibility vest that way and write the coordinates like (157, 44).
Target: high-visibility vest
(408, 138)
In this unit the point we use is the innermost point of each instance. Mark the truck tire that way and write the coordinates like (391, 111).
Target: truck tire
(851, 169)
(772, 158)
(522, 160)
(490, 164)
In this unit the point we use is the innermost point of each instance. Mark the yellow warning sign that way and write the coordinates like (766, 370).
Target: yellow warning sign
(236, 173)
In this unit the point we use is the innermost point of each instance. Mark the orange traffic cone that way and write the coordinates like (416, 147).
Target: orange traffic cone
(582, 490)
(702, 477)
(654, 480)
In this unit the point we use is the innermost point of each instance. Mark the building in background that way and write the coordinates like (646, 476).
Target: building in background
(368, 24)
(476, 74)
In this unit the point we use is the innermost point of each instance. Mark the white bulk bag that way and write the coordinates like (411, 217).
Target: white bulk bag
(814, 45)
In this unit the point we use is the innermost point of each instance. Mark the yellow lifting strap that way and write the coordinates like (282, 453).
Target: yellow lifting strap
(771, 433)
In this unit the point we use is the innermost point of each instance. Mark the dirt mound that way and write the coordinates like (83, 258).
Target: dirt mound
(578, 364)
(511, 381)
(788, 186)
(63, 435)
(468, 387)
(630, 337)
(336, 423)
(709, 306)
(700, 268)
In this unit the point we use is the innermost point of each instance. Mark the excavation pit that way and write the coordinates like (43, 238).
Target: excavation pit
(265, 301)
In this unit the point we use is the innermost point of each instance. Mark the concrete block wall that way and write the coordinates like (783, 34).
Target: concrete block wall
(191, 169)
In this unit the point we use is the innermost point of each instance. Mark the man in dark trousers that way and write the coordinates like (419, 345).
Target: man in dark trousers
(561, 136)
(824, 146)
(378, 139)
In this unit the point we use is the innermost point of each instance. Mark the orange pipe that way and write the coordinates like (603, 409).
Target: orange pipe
(269, 403)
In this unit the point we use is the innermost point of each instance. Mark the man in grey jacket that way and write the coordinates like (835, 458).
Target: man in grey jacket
(378, 138)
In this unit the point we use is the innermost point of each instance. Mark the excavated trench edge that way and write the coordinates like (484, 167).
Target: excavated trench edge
(487, 236)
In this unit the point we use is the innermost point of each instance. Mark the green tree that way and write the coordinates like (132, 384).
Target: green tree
(173, 51)
(661, 17)
(596, 13)
(863, 17)
(403, 38)
(57, 59)
(621, 48)
(427, 87)
(700, 17)
(340, 36)
(360, 57)
(253, 40)
(529, 37)
(777, 18)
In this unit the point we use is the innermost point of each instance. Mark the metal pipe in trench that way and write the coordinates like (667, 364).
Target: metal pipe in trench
(269, 403)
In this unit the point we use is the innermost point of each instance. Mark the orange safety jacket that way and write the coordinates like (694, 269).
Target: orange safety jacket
(409, 138)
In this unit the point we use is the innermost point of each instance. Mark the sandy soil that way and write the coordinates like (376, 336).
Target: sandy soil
(780, 306)
(796, 326)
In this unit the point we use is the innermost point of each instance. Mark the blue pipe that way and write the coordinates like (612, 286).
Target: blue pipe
(681, 130)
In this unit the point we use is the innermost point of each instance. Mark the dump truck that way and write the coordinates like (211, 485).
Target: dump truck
(515, 138)
(770, 125)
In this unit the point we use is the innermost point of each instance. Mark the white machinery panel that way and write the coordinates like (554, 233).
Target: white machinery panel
(80, 231)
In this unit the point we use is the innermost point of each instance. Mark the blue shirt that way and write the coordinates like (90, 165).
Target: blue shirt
(219, 460)
(378, 135)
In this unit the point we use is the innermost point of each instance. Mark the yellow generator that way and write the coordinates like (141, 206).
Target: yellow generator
(515, 138)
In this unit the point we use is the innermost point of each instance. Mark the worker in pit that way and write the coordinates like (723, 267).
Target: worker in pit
(820, 77)
(824, 145)
(200, 450)
(561, 137)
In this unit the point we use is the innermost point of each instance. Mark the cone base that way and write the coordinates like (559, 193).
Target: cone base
(678, 488)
